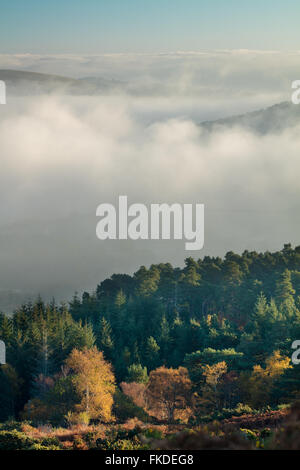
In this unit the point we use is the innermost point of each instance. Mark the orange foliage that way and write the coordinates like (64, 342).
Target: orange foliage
(169, 393)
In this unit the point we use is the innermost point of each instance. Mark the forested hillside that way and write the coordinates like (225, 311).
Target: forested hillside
(218, 332)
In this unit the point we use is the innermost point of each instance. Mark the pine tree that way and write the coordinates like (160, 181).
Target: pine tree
(151, 353)
(105, 341)
(284, 288)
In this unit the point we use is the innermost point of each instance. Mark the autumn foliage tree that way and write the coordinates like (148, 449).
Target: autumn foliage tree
(168, 392)
(211, 391)
(238, 309)
(261, 381)
(136, 391)
(94, 382)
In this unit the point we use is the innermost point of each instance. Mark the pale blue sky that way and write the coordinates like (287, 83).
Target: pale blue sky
(97, 26)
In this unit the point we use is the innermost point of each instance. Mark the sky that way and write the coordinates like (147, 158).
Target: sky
(98, 26)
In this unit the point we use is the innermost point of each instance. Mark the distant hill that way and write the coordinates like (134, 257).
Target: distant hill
(272, 119)
(32, 83)
(22, 83)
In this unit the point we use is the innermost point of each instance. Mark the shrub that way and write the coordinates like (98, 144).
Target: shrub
(39, 446)
(15, 440)
(121, 439)
(250, 434)
(152, 433)
(49, 441)
(124, 408)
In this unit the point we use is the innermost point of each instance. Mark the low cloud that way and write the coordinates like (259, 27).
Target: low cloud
(63, 156)
(253, 77)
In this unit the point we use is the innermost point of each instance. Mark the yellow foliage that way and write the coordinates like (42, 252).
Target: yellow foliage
(94, 381)
(214, 373)
(210, 391)
(261, 381)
